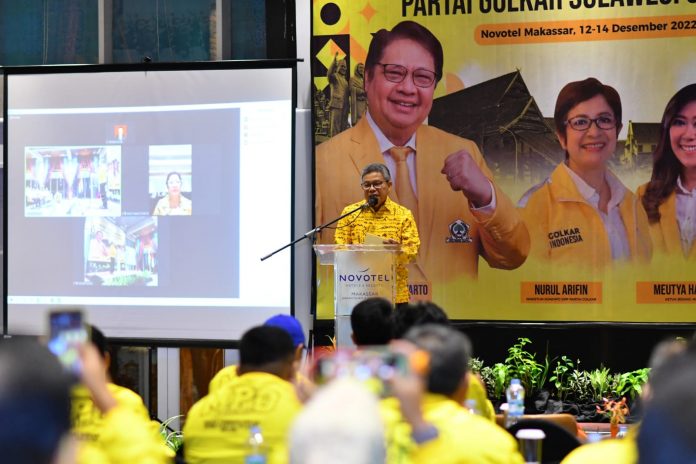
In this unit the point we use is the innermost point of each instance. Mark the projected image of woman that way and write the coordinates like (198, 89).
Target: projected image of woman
(670, 197)
(173, 203)
(583, 216)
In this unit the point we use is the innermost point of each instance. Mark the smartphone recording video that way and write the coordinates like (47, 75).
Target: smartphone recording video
(375, 366)
(67, 333)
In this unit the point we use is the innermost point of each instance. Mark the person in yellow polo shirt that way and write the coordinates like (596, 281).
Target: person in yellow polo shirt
(35, 412)
(617, 451)
(293, 327)
(87, 419)
(425, 312)
(582, 215)
(125, 437)
(217, 428)
(384, 218)
(448, 433)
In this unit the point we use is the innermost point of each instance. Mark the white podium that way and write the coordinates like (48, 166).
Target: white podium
(360, 272)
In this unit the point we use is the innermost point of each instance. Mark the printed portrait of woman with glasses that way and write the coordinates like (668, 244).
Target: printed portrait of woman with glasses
(582, 215)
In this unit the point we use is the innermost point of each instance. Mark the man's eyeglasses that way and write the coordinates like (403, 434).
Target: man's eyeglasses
(397, 73)
(583, 123)
(378, 184)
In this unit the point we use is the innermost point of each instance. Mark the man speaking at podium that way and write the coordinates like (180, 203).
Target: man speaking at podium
(441, 178)
(381, 217)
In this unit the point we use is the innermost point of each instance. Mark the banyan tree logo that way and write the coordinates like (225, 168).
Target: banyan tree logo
(363, 276)
(459, 232)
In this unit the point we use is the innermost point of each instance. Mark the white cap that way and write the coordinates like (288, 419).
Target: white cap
(530, 434)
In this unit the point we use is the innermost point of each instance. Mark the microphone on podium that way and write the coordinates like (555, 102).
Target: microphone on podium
(371, 202)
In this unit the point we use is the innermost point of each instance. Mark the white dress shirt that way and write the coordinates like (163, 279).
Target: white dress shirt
(686, 215)
(385, 144)
(613, 224)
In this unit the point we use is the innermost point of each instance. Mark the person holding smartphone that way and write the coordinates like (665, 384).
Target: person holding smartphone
(87, 421)
(430, 402)
(35, 411)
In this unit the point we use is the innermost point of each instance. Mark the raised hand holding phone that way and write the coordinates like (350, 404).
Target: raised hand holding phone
(67, 334)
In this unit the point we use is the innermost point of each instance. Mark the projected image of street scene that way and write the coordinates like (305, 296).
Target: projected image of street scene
(170, 180)
(75, 181)
(120, 251)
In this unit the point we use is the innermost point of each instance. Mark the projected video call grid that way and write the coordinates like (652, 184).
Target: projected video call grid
(138, 200)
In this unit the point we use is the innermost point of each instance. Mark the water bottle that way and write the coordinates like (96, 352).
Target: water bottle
(470, 405)
(255, 449)
(515, 399)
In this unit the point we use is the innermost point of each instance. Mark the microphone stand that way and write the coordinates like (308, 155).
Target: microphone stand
(314, 231)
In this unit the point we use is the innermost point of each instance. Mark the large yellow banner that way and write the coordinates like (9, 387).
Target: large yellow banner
(504, 65)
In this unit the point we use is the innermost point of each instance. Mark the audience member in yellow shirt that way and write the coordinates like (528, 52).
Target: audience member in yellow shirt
(447, 433)
(427, 312)
(35, 411)
(217, 427)
(303, 385)
(125, 437)
(617, 451)
(87, 420)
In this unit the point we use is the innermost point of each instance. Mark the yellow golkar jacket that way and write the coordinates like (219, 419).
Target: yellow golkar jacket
(666, 238)
(566, 229)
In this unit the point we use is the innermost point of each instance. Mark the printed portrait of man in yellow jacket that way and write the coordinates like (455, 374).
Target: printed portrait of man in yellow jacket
(460, 212)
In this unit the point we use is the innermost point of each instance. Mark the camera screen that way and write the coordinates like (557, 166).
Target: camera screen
(67, 334)
(375, 366)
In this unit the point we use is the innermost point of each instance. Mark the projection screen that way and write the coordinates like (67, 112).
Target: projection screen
(147, 197)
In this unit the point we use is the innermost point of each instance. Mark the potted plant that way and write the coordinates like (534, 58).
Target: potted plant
(616, 411)
(558, 385)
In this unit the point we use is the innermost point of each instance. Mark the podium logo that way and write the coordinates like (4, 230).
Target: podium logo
(363, 276)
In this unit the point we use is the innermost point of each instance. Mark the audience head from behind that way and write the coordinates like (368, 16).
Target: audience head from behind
(371, 322)
(98, 339)
(267, 349)
(414, 314)
(661, 353)
(449, 352)
(34, 403)
(291, 325)
(284, 322)
(218, 426)
(341, 423)
(667, 433)
(626, 449)
(665, 350)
